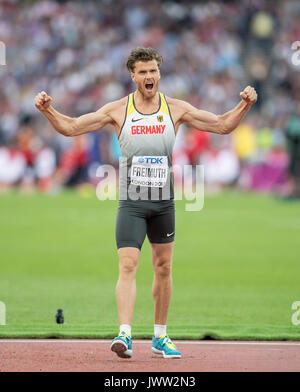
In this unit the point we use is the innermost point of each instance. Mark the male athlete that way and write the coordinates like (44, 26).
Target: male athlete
(146, 123)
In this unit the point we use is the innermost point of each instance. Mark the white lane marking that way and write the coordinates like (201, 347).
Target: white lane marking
(181, 342)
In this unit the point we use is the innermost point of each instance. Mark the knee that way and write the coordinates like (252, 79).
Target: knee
(128, 266)
(163, 267)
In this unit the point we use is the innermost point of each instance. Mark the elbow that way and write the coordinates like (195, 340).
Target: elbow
(70, 129)
(225, 131)
(223, 127)
(68, 133)
(64, 131)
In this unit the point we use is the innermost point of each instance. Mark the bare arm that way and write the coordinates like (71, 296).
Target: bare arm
(221, 124)
(69, 126)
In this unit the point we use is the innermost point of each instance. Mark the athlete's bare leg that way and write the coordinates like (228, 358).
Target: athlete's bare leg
(162, 282)
(126, 285)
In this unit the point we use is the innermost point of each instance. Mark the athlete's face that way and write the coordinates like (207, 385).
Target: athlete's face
(146, 76)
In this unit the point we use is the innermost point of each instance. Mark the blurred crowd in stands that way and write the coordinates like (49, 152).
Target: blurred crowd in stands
(76, 52)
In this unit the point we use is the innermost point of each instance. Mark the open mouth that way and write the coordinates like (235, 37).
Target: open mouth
(149, 86)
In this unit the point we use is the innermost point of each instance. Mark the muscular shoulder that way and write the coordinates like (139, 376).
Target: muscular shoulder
(115, 111)
(177, 108)
(114, 105)
(176, 103)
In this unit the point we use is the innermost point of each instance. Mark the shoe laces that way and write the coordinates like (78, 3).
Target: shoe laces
(124, 335)
(167, 341)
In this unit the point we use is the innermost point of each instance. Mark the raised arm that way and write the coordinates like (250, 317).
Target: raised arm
(69, 126)
(221, 124)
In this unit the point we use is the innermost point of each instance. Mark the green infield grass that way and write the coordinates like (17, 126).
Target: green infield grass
(236, 268)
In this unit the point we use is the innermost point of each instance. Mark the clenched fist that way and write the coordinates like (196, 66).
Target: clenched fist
(42, 101)
(249, 95)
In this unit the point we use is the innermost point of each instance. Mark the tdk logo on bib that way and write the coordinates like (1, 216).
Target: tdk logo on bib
(149, 171)
(151, 160)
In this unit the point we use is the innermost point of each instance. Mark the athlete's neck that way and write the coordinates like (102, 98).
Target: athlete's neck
(144, 104)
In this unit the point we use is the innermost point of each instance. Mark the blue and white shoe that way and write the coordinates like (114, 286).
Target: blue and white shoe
(164, 346)
(122, 345)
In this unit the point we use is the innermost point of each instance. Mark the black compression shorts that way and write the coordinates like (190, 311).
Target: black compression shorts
(137, 218)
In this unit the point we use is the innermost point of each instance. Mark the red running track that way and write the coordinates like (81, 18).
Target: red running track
(197, 356)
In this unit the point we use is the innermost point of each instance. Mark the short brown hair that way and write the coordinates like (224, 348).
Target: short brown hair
(142, 54)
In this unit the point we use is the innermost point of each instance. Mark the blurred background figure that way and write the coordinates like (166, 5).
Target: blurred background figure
(12, 166)
(293, 147)
(221, 164)
(76, 51)
(72, 167)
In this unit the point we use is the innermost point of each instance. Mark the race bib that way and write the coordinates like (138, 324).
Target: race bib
(149, 171)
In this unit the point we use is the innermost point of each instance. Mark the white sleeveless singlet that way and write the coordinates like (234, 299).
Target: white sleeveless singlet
(146, 142)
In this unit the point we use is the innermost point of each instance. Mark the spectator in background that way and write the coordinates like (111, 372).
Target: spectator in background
(27, 146)
(293, 147)
(27, 163)
(12, 166)
(221, 165)
(244, 142)
(196, 143)
(73, 49)
(72, 168)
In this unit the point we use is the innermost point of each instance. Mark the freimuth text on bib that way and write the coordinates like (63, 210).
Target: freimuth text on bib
(150, 171)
